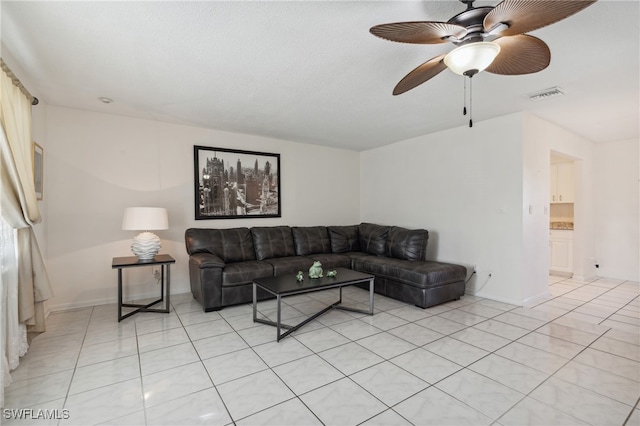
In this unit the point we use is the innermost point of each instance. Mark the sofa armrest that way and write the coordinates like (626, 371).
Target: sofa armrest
(205, 276)
(206, 260)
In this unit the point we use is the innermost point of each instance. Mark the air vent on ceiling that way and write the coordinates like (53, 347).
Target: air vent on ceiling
(545, 94)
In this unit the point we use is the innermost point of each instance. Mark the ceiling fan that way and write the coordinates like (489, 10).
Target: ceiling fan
(487, 38)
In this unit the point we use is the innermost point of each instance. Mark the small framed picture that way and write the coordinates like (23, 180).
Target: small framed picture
(38, 169)
(234, 184)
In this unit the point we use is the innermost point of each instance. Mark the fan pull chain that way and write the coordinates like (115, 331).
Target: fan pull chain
(464, 97)
(470, 101)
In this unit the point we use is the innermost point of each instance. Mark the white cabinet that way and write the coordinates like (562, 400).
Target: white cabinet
(561, 190)
(561, 251)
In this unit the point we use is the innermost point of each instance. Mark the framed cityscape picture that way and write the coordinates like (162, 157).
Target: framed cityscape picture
(234, 184)
(38, 170)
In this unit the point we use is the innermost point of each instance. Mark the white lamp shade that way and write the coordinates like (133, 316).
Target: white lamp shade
(146, 244)
(473, 56)
(145, 219)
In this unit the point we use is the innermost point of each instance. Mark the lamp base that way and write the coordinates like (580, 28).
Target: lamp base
(145, 245)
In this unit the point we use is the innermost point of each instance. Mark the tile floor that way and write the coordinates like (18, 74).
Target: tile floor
(573, 359)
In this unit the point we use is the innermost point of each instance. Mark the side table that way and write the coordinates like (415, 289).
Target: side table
(165, 261)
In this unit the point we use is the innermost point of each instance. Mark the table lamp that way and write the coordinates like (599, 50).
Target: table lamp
(146, 244)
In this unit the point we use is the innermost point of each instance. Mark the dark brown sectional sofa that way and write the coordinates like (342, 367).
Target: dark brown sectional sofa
(224, 262)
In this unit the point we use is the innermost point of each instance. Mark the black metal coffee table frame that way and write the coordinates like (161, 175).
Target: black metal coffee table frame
(286, 285)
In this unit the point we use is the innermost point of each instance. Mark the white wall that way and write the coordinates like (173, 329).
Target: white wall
(535, 215)
(546, 137)
(98, 164)
(464, 185)
(617, 214)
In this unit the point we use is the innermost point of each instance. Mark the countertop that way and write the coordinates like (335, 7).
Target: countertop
(567, 226)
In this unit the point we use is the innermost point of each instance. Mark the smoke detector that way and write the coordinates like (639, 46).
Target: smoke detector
(545, 94)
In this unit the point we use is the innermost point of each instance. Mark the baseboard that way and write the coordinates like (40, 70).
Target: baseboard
(103, 301)
(533, 300)
(526, 302)
(561, 274)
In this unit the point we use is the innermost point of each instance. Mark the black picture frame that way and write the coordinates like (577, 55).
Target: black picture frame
(235, 184)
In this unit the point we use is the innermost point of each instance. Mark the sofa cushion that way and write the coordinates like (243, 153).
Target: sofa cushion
(290, 265)
(344, 238)
(230, 245)
(272, 241)
(408, 244)
(373, 238)
(245, 272)
(311, 240)
(332, 260)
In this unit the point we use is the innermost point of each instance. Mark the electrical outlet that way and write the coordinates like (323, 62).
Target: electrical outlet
(490, 273)
(475, 268)
(156, 274)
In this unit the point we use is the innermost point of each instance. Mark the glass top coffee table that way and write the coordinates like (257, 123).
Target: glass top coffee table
(287, 285)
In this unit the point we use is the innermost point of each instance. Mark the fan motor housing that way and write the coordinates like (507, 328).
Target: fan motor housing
(473, 21)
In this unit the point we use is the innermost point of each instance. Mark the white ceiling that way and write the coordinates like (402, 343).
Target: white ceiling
(310, 71)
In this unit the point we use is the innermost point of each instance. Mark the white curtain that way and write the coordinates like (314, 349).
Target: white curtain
(27, 292)
(14, 334)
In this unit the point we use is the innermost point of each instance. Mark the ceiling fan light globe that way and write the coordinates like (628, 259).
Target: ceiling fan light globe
(473, 56)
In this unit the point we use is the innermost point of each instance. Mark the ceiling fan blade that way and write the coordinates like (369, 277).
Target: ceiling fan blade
(520, 54)
(425, 32)
(424, 72)
(523, 16)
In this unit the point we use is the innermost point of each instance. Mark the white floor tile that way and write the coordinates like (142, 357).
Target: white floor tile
(387, 418)
(535, 358)
(39, 390)
(208, 329)
(322, 339)
(532, 412)
(481, 339)
(616, 347)
(231, 366)
(167, 358)
(219, 345)
(104, 373)
(200, 408)
(415, 334)
(551, 344)
(386, 345)
(581, 403)
(35, 365)
(455, 350)
(616, 387)
(250, 394)
(615, 364)
(306, 374)
(510, 373)
(342, 403)
(384, 321)
(350, 358)
(485, 395)
(501, 329)
(432, 407)
(355, 329)
(441, 325)
(92, 354)
(276, 353)
(171, 384)
(105, 403)
(389, 383)
(289, 413)
(426, 365)
(162, 339)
